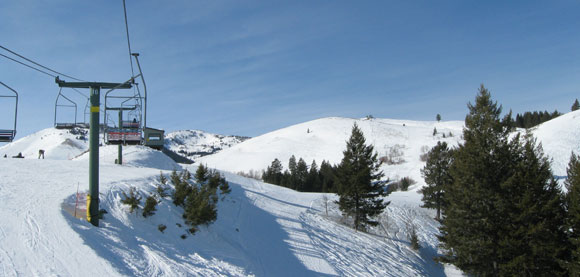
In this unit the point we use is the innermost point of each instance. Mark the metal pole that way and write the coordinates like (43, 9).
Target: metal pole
(93, 196)
(120, 152)
(144, 87)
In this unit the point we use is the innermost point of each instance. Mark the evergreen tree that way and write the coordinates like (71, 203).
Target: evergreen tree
(273, 174)
(301, 175)
(534, 241)
(327, 177)
(133, 199)
(504, 213)
(438, 117)
(437, 177)
(201, 174)
(182, 187)
(292, 166)
(361, 193)
(200, 207)
(434, 131)
(573, 215)
(576, 105)
(313, 179)
(150, 206)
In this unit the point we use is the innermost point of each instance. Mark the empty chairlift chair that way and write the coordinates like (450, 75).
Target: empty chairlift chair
(7, 135)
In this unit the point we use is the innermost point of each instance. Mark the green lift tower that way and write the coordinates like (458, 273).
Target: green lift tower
(95, 100)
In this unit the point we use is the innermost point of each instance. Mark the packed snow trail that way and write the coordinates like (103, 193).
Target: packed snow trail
(34, 237)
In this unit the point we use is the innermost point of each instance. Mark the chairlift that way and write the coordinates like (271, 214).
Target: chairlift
(69, 104)
(7, 135)
(128, 130)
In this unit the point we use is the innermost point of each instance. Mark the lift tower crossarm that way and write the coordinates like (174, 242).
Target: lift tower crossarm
(95, 98)
(63, 84)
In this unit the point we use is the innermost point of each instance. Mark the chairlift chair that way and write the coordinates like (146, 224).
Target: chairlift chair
(7, 135)
(57, 105)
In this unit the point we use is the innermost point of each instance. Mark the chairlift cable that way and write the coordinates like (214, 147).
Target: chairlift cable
(31, 61)
(128, 40)
(14, 60)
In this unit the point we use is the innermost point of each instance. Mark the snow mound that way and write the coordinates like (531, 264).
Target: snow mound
(134, 155)
(58, 144)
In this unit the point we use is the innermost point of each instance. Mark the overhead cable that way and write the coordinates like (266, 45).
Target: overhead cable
(128, 40)
(31, 61)
(53, 76)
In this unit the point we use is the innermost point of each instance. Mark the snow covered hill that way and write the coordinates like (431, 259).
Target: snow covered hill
(193, 144)
(559, 137)
(325, 139)
(58, 144)
(261, 230)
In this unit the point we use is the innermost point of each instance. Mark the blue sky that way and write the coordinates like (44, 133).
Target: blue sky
(250, 67)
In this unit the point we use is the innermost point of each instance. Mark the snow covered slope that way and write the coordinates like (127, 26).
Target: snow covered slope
(325, 139)
(193, 144)
(58, 144)
(261, 230)
(559, 137)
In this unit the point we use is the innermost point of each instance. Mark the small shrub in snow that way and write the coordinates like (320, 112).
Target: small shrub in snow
(424, 153)
(161, 228)
(394, 155)
(253, 174)
(405, 182)
(414, 239)
(132, 200)
(150, 206)
(434, 131)
(184, 236)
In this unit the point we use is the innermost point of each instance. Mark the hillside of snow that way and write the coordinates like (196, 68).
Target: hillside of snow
(261, 230)
(325, 139)
(58, 144)
(193, 144)
(559, 137)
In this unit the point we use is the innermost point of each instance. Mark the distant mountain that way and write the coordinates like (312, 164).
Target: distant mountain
(193, 144)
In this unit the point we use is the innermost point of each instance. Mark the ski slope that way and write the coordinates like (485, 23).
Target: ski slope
(261, 230)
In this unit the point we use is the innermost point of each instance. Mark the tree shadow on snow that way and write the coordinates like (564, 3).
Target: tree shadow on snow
(244, 236)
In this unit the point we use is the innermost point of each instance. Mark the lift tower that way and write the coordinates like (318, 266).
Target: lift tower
(95, 98)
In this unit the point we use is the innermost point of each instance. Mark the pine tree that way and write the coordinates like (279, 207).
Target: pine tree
(273, 174)
(437, 177)
(576, 105)
(313, 179)
(133, 199)
(504, 214)
(150, 206)
(301, 175)
(327, 177)
(361, 193)
(535, 241)
(182, 187)
(573, 216)
(292, 166)
(201, 174)
(438, 117)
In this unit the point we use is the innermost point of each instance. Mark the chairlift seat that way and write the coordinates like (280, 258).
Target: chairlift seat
(131, 124)
(7, 135)
(123, 136)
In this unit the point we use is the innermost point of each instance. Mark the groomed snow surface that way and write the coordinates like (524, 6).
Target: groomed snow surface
(261, 230)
